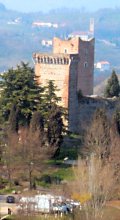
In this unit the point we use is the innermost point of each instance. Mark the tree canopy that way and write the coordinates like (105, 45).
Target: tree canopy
(24, 103)
(20, 90)
(113, 88)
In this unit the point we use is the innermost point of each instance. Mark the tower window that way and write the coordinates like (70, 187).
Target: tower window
(85, 64)
(65, 50)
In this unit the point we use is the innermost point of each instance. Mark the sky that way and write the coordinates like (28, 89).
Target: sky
(45, 5)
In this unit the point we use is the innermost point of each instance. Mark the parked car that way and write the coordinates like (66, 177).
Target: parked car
(61, 208)
(10, 199)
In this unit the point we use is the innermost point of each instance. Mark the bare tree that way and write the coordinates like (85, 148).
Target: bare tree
(93, 185)
(97, 174)
(33, 153)
(97, 138)
(9, 156)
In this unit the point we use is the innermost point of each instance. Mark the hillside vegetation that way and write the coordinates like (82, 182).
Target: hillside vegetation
(19, 38)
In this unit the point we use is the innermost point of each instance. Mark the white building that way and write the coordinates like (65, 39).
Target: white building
(102, 65)
(47, 43)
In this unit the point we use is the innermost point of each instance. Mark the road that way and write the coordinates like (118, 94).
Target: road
(4, 206)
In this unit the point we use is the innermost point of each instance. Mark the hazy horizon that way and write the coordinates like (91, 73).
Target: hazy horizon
(46, 5)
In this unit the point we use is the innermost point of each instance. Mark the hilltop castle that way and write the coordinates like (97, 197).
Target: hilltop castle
(71, 66)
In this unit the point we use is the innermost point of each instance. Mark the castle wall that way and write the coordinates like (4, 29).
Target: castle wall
(56, 68)
(86, 67)
(73, 97)
(71, 67)
(87, 107)
(70, 46)
(85, 49)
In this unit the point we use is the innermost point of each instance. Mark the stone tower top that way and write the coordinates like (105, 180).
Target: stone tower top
(70, 46)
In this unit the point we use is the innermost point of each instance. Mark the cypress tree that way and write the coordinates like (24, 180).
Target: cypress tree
(113, 88)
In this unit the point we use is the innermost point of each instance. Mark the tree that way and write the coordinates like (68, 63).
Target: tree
(20, 90)
(55, 127)
(32, 154)
(93, 185)
(113, 88)
(13, 120)
(98, 138)
(53, 114)
(117, 119)
(50, 98)
(37, 122)
(9, 156)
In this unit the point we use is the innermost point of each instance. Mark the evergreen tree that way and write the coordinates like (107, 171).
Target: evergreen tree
(113, 88)
(19, 89)
(50, 97)
(37, 122)
(13, 119)
(55, 127)
(53, 116)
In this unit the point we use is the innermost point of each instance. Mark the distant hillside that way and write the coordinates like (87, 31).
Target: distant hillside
(99, 89)
(19, 38)
(2, 7)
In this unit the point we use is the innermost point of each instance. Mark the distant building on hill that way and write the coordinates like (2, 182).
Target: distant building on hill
(45, 24)
(47, 43)
(84, 35)
(71, 66)
(102, 65)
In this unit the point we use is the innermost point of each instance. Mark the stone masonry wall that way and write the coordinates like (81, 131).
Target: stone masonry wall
(86, 67)
(73, 97)
(88, 106)
(70, 46)
(85, 49)
(70, 66)
(56, 68)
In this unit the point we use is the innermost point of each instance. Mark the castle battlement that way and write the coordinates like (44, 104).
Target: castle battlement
(71, 67)
(58, 59)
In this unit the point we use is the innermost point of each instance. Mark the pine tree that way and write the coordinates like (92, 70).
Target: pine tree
(13, 119)
(113, 88)
(53, 116)
(37, 122)
(50, 97)
(55, 127)
(20, 89)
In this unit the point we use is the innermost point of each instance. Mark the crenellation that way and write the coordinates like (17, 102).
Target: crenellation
(43, 59)
(71, 66)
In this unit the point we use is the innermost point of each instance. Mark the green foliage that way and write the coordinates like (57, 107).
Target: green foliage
(32, 113)
(55, 126)
(50, 98)
(37, 122)
(20, 90)
(70, 152)
(113, 88)
(13, 119)
(53, 113)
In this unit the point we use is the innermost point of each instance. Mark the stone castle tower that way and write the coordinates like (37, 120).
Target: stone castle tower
(71, 66)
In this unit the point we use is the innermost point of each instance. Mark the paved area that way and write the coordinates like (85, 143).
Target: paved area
(5, 206)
